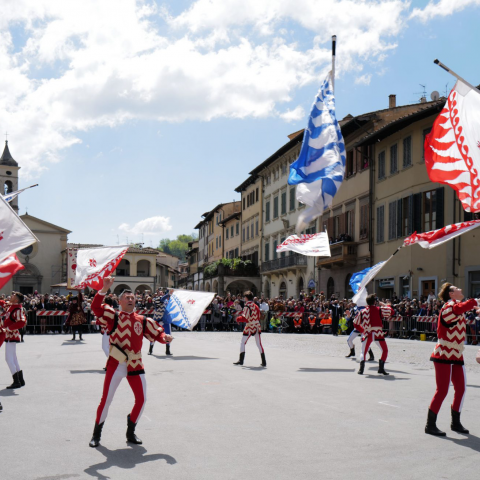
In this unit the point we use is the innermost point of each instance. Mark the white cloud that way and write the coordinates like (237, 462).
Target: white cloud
(148, 226)
(442, 8)
(88, 64)
(293, 115)
(363, 79)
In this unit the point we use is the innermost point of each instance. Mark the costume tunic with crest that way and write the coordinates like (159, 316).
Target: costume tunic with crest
(13, 320)
(126, 333)
(251, 316)
(451, 331)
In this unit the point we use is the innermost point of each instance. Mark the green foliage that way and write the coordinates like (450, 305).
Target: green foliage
(236, 265)
(177, 247)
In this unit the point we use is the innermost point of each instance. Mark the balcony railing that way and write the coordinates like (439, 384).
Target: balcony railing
(344, 253)
(295, 260)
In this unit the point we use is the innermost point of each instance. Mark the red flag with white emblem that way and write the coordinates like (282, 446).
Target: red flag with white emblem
(8, 268)
(437, 237)
(452, 148)
(94, 264)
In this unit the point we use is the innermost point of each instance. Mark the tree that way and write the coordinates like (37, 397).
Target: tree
(177, 247)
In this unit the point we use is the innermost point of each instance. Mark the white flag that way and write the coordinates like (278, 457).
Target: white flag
(94, 264)
(314, 245)
(360, 280)
(14, 234)
(185, 307)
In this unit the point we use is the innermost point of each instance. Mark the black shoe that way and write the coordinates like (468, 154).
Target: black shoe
(167, 349)
(264, 361)
(456, 426)
(16, 382)
(131, 437)
(241, 359)
(371, 358)
(431, 426)
(97, 433)
(381, 367)
(20, 377)
(1, 408)
(352, 353)
(362, 367)
(150, 349)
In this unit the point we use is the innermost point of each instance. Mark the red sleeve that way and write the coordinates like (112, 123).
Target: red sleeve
(105, 313)
(17, 320)
(244, 317)
(450, 311)
(153, 331)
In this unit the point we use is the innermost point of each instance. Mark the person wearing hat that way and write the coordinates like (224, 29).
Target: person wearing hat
(12, 322)
(76, 316)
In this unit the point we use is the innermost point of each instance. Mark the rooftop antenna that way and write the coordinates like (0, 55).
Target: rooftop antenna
(6, 136)
(446, 90)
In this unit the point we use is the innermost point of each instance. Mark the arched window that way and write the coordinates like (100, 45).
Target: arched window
(348, 288)
(143, 268)
(300, 286)
(123, 269)
(330, 288)
(283, 289)
(8, 187)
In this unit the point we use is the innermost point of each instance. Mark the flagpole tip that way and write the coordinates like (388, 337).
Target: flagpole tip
(436, 61)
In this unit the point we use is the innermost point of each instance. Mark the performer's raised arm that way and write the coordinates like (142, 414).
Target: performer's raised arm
(105, 313)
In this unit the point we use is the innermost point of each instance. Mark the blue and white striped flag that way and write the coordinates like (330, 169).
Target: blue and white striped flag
(360, 280)
(185, 307)
(320, 167)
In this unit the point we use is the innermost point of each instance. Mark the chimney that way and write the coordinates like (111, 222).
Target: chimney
(392, 101)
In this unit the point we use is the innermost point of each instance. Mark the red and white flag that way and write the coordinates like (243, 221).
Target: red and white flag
(14, 234)
(437, 237)
(8, 268)
(94, 264)
(452, 148)
(313, 245)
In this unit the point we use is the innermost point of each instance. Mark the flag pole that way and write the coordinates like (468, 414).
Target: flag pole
(334, 46)
(451, 72)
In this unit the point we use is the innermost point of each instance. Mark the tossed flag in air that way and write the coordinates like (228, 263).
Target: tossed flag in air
(437, 237)
(185, 308)
(319, 170)
(8, 268)
(8, 197)
(14, 234)
(94, 264)
(360, 280)
(313, 245)
(452, 148)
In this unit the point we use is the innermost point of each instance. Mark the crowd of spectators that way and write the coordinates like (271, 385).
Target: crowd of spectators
(309, 313)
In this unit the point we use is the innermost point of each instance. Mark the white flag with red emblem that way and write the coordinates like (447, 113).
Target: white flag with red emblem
(8, 268)
(14, 234)
(313, 245)
(94, 264)
(452, 148)
(437, 237)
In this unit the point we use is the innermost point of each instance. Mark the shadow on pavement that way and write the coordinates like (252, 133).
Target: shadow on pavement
(185, 357)
(74, 342)
(88, 371)
(253, 368)
(334, 370)
(8, 393)
(469, 441)
(125, 458)
(473, 386)
(385, 377)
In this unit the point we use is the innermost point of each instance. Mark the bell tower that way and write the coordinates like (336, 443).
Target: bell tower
(9, 175)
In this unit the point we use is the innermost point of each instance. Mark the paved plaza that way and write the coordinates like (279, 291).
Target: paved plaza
(308, 415)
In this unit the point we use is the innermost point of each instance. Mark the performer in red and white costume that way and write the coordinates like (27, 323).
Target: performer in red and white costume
(448, 356)
(369, 322)
(13, 320)
(127, 330)
(251, 316)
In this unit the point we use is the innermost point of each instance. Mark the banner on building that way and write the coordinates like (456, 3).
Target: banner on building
(185, 307)
(313, 245)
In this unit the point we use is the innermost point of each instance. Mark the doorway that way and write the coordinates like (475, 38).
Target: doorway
(428, 286)
(26, 290)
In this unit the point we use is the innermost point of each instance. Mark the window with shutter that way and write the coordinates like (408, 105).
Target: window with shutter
(350, 170)
(237, 228)
(330, 228)
(380, 224)
(267, 212)
(243, 234)
(226, 233)
(407, 152)
(284, 203)
(256, 228)
(292, 198)
(275, 207)
(248, 232)
(392, 220)
(381, 165)
(275, 243)
(256, 194)
(364, 219)
(244, 203)
(440, 207)
(267, 252)
(399, 218)
(393, 159)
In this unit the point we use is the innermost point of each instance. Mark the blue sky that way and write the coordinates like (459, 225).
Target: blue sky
(137, 124)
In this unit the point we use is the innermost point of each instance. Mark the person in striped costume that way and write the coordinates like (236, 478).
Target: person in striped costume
(448, 356)
(127, 330)
(369, 321)
(160, 305)
(353, 335)
(13, 320)
(251, 316)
